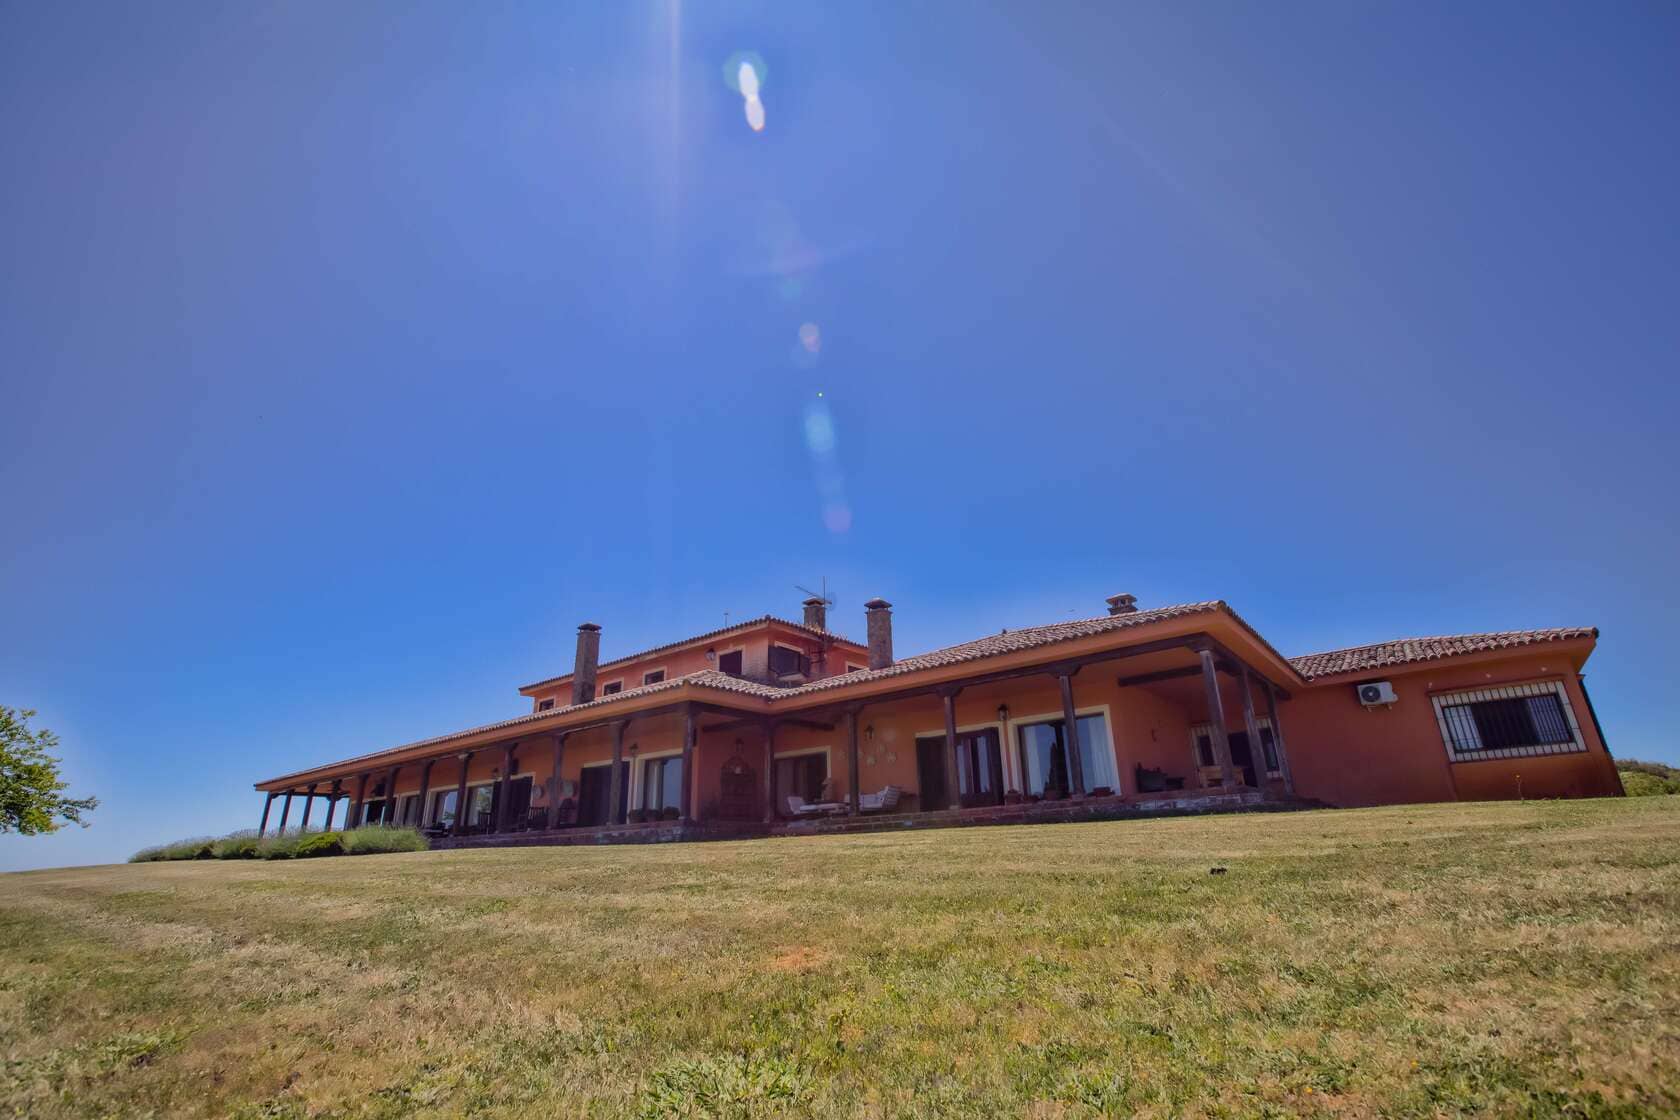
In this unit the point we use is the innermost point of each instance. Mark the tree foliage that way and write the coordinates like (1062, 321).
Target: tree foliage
(32, 798)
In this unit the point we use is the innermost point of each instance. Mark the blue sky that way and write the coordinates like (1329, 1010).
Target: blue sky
(352, 354)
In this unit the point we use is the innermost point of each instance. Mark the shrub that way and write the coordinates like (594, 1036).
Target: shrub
(1655, 769)
(637, 816)
(669, 813)
(201, 847)
(1643, 783)
(238, 845)
(282, 846)
(292, 844)
(319, 844)
(372, 839)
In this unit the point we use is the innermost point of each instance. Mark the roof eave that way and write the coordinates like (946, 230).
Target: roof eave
(1584, 643)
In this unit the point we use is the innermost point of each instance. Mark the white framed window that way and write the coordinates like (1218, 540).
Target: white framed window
(654, 676)
(611, 687)
(1508, 721)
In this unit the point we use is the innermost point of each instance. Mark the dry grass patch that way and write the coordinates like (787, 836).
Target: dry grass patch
(1515, 959)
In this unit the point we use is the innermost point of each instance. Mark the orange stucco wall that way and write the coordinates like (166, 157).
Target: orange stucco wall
(1348, 755)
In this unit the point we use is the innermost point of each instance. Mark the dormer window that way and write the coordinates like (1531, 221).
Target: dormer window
(786, 662)
(611, 687)
(544, 705)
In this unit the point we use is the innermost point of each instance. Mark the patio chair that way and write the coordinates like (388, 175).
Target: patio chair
(799, 807)
(1156, 781)
(884, 802)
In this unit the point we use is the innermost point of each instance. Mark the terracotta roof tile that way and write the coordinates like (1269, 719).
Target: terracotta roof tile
(1405, 651)
(1013, 641)
(733, 628)
(705, 678)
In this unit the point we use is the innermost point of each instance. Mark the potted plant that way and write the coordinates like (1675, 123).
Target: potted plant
(1012, 797)
(1034, 798)
(1102, 791)
(638, 816)
(669, 813)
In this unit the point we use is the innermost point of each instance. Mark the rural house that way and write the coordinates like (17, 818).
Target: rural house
(771, 725)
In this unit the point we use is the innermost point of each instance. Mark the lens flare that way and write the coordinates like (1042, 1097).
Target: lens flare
(822, 442)
(810, 337)
(744, 72)
(819, 432)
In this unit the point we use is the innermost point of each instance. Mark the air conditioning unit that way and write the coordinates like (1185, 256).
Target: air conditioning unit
(1372, 693)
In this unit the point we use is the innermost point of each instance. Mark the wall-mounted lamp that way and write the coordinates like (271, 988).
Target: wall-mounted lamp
(711, 654)
(634, 747)
(869, 733)
(1003, 713)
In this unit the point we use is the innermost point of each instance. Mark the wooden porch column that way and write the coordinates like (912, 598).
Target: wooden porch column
(1277, 737)
(686, 800)
(554, 780)
(332, 801)
(1070, 725)
(268, 803)
(285, 811)
(770, 772)
(358, 808)
(1216, 718)
(852, 759)
(425, 785)
(388, 815)
(615, 780)
(1256, 749)
(460, 828)
(308, 804)
(953, 785)
(504, 790)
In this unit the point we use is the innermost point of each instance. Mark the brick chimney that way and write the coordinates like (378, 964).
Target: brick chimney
(1122, 604)
(879, 617)
(583, 667)
(816, 613)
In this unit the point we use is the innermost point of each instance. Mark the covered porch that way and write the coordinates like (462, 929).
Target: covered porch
(1176, 724)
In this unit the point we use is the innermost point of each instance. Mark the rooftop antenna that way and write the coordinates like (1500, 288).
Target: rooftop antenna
(826, 641)
(826, 601)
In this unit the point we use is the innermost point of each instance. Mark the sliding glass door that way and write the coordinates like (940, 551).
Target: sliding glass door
(1043, 756)
(662, 780)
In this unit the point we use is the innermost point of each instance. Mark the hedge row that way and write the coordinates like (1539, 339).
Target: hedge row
(288, 845)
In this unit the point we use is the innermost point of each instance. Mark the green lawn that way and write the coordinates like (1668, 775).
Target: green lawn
(1513, 959)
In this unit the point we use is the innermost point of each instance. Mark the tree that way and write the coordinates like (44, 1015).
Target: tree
(32, 797)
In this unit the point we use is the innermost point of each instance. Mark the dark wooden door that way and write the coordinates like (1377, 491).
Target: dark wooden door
(519, 802)
(981, 766)
(1242, 759)
(594, 787)
(935, 789)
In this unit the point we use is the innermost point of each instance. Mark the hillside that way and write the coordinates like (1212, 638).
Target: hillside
(1513, 958)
